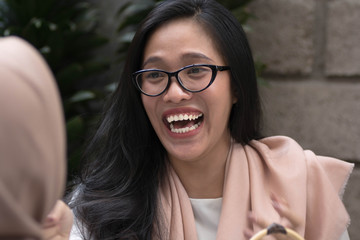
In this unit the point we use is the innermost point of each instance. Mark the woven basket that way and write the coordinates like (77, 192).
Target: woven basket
(276, 228)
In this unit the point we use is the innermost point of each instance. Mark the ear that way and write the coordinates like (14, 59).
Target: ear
(234, 100)
(234, 96)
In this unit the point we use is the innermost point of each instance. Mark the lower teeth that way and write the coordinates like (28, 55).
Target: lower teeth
(185, 129)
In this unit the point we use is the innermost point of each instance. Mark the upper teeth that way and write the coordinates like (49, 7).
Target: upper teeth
(182, 117)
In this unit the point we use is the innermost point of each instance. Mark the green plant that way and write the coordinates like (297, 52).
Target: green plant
(64, 32)
(132, 13)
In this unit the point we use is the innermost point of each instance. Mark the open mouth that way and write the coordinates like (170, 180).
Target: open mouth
(184, 123)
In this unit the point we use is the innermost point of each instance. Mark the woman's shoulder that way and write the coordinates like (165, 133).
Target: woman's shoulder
(276, 147)
(276, 143)
(282, 149)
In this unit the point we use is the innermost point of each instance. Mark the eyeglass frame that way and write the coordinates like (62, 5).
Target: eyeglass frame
(214, 69)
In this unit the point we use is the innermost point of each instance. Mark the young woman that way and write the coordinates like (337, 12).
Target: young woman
(178, 154)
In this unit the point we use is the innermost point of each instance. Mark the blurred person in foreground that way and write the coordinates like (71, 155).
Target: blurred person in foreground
(32, 146)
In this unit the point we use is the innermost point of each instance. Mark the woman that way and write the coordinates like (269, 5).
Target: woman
(32, 145)
(176, 155)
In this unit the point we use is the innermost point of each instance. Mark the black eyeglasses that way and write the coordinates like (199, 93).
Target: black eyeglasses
(193, 78)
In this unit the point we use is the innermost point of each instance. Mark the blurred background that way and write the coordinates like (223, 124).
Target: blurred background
(307, 57)
(312, 55)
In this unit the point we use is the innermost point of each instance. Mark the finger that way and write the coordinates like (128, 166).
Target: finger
(262, 223)
(248, 233)
(58, 223)
(49, 222)
(65, 217)
(282, 207)
(54, 216)
(56, 212)
(50, 232)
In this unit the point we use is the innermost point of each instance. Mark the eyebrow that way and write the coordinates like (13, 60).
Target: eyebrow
(151, 60)
(190, 55)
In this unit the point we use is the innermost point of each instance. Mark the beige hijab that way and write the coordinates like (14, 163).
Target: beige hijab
(312, 186)
(32, 141)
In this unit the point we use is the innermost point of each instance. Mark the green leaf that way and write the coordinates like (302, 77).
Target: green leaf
(75, 128)
(133, 14)
(70, 73)
(92, 67)
(122, 9)
(127, 37)
(111, 87)
(82, 96)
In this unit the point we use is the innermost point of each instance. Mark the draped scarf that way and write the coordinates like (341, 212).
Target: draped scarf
(312, 185)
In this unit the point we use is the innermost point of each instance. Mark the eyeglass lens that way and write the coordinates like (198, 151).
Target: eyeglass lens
(194, 78)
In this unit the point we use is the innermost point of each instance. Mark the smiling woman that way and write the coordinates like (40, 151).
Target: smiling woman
(174, 46)
(178, 154)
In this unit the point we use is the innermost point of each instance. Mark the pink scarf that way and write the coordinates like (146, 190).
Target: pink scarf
(312, 185)
(32, 141)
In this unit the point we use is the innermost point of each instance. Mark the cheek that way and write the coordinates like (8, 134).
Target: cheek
(225, 100)
(232, 98)
(225, 95)
(219, 104)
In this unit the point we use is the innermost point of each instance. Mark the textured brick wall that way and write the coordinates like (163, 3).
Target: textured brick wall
(312, 52)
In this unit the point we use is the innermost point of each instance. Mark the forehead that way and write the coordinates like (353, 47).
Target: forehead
(179, 39)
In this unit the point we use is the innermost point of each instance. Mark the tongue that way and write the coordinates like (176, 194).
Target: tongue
(184, 123)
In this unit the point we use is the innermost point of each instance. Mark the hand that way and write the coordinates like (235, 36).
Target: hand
(288, 219)
(58, 223)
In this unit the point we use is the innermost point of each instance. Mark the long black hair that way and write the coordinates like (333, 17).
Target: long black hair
(117, 194)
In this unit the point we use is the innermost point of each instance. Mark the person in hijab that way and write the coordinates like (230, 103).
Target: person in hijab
(32, 145)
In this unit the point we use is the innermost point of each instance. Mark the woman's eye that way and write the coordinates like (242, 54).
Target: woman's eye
(198, 71)
(195, 70)
(153, 75)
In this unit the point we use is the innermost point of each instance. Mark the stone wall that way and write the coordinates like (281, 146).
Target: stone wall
(312, 52)
(312, 93)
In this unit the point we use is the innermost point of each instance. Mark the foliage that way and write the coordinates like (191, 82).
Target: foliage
(132, 13)
(64, 32)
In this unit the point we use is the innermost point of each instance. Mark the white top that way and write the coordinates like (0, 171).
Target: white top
(207, 216)
(75, 230)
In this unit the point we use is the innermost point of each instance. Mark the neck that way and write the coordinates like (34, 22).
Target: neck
(204, 177)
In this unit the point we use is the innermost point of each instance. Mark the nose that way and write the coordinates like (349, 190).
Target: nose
(175, 93)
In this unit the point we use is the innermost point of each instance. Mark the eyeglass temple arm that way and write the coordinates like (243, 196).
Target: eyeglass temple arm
(222, 68)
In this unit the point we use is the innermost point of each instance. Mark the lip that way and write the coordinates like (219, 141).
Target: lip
(182, 110)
